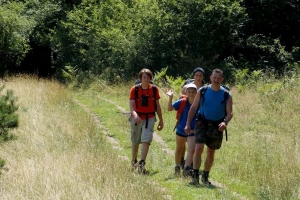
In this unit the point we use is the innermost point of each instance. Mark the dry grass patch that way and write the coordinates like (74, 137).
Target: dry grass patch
(60, 153)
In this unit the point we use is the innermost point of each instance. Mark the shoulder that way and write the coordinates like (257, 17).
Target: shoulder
(204, 88)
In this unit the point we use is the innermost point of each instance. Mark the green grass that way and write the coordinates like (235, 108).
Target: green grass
(59, 144)
(260, 159)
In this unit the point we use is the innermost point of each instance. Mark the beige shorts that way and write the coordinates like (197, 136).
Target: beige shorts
(139, 133)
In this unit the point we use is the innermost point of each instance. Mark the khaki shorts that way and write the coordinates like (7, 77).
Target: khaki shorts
(209, 136)
(139, 133)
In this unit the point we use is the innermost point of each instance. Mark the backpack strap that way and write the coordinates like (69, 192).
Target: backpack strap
(136, 94)
(202, 92)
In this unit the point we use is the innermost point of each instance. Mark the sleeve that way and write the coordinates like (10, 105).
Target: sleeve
(176, 104)
(132, 93)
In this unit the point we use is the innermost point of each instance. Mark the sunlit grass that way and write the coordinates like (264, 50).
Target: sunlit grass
(60, 152)
(261, 158)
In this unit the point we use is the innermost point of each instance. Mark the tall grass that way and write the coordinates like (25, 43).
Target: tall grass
(261, 158)
(60, 152)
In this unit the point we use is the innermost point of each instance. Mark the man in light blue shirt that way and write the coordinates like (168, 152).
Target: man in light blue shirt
(213, 116)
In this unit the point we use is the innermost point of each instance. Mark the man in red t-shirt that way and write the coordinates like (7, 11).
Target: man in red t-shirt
(143, 103)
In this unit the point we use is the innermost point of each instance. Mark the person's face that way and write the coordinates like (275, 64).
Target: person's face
(216, 78)
(191, 92)
(145, 78)
(198, 76)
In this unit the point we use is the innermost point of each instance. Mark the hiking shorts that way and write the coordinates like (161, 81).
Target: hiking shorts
(141, 134)
(209, 135)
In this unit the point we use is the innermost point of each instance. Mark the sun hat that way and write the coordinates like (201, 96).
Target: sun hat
(191, 85)
(198, 69)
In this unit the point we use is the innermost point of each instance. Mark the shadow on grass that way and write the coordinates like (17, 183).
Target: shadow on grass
(201, 185)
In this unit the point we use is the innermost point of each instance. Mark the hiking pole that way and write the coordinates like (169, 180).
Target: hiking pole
(226, 134)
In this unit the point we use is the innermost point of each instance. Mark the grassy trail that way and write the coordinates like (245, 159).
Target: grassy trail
(160, 171)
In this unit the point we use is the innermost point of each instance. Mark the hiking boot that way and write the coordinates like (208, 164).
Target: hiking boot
(204, 178)
(187, 171)
(134, 164)
(141, 167)
(177, 170)
(195, 180)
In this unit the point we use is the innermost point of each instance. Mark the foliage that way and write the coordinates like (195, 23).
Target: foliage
(124, 36)
(8, 116)
(15, 29)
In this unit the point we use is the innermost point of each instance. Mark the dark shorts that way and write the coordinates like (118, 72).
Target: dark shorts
(209, 135)
(184, 135)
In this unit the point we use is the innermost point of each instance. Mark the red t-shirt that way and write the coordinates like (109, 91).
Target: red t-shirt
(138, 100)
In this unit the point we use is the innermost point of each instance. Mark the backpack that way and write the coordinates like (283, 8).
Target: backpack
(136, 97)
(137, 91)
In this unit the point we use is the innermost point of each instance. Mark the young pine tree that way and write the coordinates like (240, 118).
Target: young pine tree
(8, 116)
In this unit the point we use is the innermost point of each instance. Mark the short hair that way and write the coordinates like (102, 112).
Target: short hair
(217, 71)
(147, 71)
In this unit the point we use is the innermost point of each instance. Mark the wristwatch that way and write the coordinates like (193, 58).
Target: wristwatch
(226, 122)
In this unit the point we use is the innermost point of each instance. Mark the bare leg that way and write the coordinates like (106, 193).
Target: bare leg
(134, 151)
(191, 150)
(209, 159)
(145, 149)
(180, 143)
(197, 155)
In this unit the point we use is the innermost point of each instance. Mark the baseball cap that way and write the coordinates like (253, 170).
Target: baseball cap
(198, 69)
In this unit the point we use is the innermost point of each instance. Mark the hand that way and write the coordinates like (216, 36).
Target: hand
(160, 126)
(222, 126)
(169, 93)
(187, 129)
(137, 119)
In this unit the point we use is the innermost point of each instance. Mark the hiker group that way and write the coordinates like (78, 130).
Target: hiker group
(202, 113)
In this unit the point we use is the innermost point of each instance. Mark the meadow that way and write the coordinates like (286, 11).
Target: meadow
(73, 143)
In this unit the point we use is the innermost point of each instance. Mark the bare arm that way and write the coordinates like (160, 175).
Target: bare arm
(170, 94)
(192, 111)
(137, 119)
(229, 110)
(159, 113)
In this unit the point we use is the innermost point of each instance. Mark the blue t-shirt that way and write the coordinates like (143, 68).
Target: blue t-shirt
(183, 118)
(213, 107)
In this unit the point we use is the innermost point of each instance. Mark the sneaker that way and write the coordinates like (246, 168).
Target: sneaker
(195, 181)
(187, 171)
(204, 179)
(141, 167)
(177, 170)
(133, 164)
